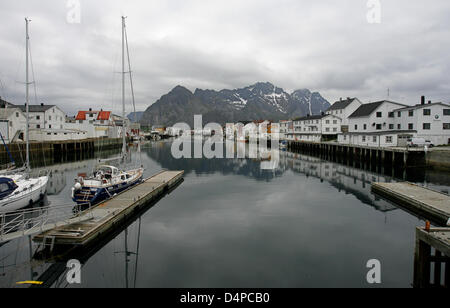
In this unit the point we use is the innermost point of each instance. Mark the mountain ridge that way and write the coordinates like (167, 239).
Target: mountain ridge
(262, 100)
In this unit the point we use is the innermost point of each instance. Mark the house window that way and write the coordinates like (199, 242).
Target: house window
(17, 114)
(335, 129)
(410, 126)
(447, 112)
(427, 112)
(388, 139)
(327, 121)
(379, 114)
(378, 126)
(446, 126)
(38, 117)
(399, 126)
(426, 126)
(363, 138)
(49, 126)
(327, 129)
(391, 126)
(49, 118)
(38, 126)
(365, 126)
(411, 113)
(391, 115)
(80, 121)
(356, 127)
(334, 121)
(399, 114)
(374, 139)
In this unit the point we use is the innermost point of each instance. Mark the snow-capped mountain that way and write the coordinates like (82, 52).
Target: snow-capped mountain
(255, 102)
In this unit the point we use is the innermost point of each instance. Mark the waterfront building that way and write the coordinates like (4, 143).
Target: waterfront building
(285, 127)
(429, 121)
(315, 128)
(373, 125)
(93, 124)
(56, 134)
(12, 122)
(45, 116)
(388, 124)
(343, 109)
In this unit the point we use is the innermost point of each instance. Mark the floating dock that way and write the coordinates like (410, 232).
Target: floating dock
(429, 203)
(105, 216)
(426, 275)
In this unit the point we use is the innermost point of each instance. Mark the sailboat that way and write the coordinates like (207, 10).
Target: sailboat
(108, 180)
(20, 189)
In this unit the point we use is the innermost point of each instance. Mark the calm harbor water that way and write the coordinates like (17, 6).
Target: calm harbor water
(307, 223)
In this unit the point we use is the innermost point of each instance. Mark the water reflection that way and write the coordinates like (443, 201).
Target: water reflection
(308, 222)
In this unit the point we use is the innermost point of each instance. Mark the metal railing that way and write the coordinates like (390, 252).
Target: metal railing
(25, 222)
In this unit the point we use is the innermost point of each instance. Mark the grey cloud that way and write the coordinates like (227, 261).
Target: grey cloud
(322, 45)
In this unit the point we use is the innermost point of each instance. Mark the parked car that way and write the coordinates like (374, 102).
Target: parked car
(419, 142)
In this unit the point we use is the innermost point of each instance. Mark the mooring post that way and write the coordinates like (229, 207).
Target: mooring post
(421, 262)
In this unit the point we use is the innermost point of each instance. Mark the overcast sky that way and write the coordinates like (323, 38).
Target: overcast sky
(323, 45)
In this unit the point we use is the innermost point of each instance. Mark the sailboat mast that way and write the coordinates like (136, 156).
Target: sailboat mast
(123, 88)
(27, 101)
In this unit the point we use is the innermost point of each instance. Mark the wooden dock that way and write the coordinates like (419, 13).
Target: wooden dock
(426, 275)
(104, 217)
(431, 204)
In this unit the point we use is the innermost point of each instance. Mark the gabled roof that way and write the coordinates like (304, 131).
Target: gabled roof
(341, 104)
(4, 103)
(313, 117)
(35, 108)
(366, 110)
(101, 115)
(104, 115)
(81, 115)
(419, 106)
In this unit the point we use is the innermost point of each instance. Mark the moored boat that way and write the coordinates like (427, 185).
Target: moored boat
(104, 183)
(107, 180)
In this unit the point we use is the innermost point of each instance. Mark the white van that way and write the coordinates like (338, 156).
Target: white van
(419, 142)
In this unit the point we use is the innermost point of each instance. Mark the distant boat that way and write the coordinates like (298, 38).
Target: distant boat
(20, 189)
(107, 180)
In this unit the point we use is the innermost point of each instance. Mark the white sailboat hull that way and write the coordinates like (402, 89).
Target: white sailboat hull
(21, 198)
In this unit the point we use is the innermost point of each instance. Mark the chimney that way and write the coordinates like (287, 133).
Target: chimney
(340, 99)
(422, 102)
(323, 113)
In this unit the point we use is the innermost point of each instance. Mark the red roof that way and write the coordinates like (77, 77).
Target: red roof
(102, 115)
(81, 115)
